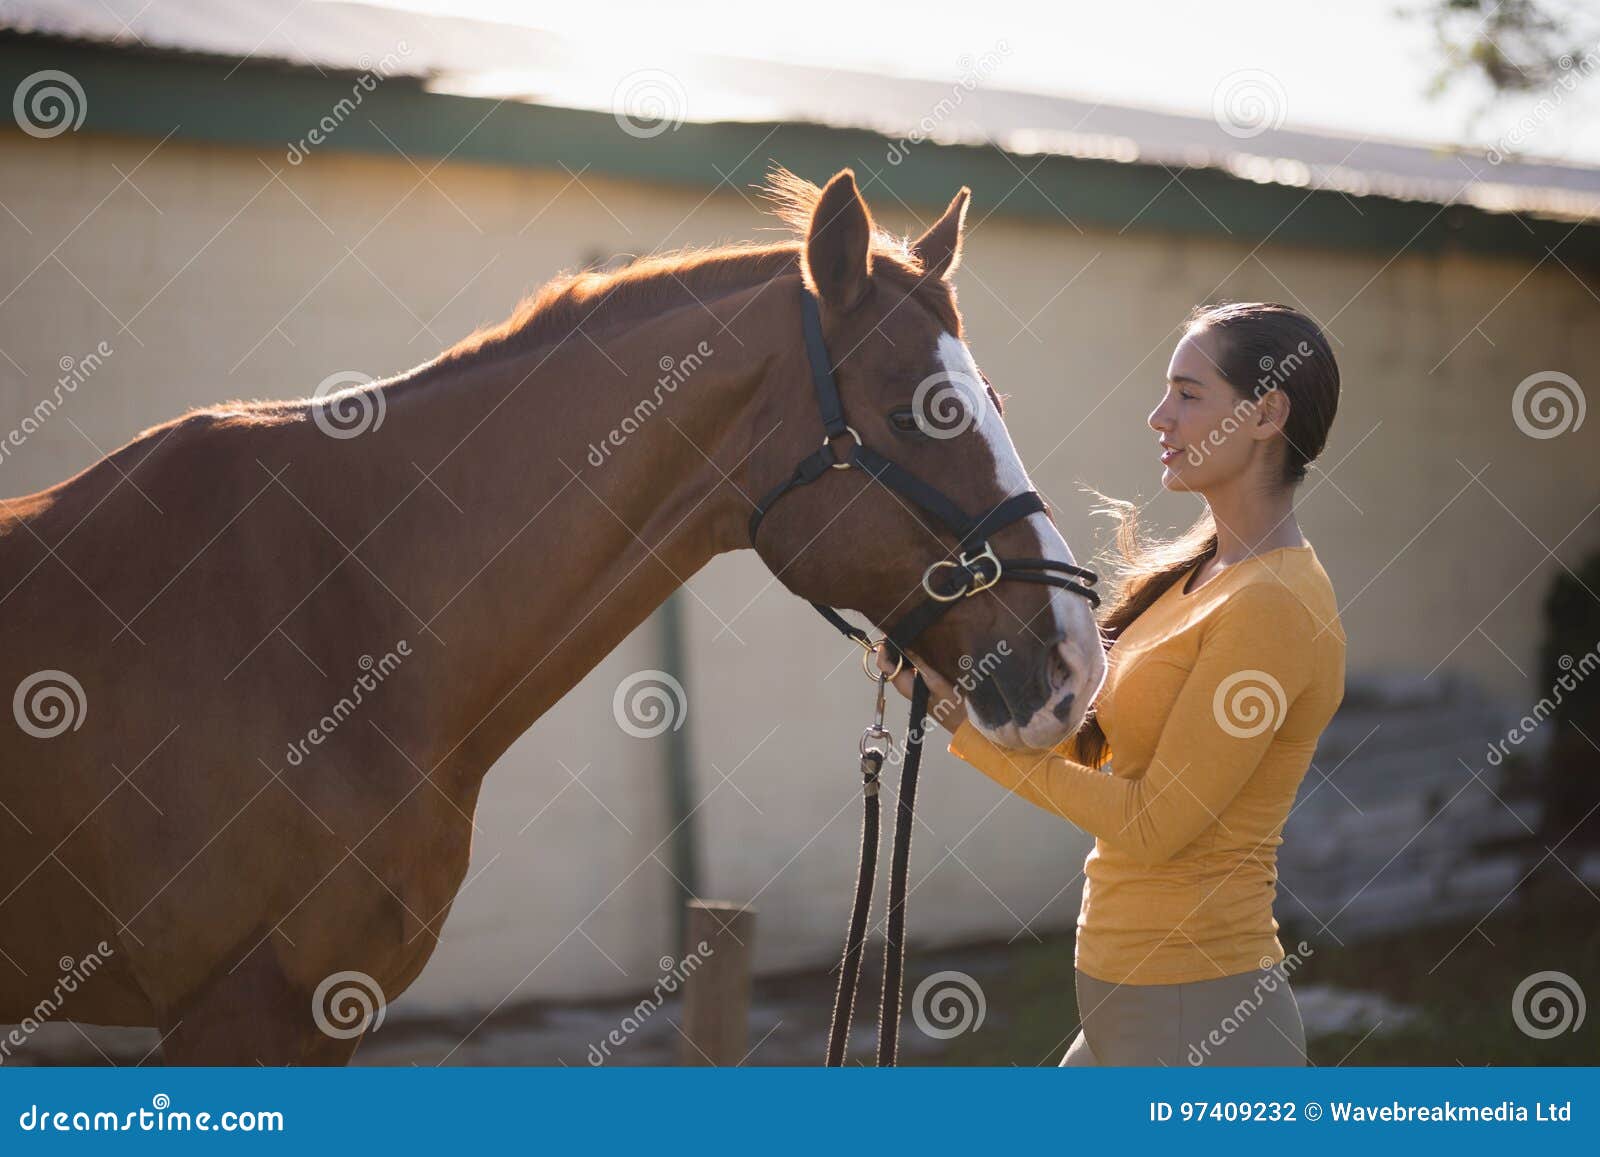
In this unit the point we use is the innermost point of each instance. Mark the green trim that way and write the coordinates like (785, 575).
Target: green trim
(147, 94)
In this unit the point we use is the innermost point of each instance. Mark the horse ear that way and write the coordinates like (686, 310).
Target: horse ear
(939, 249)
(838, 246)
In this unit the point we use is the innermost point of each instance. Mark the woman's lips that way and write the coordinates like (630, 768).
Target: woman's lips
(1169, 455)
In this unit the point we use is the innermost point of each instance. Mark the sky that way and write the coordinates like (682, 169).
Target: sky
(1356, 66)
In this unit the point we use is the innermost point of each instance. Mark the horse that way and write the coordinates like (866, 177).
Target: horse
(459, 545)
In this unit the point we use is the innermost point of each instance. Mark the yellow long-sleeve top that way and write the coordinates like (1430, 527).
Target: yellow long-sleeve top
(1212, 706)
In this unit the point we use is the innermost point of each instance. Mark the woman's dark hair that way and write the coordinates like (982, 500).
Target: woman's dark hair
(1259, 347)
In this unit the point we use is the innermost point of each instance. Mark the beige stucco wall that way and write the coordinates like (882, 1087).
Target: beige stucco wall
(216, 273)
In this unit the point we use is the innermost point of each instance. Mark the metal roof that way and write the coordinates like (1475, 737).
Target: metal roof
(481, 59)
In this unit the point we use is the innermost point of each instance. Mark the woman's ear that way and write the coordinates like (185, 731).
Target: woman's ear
(1272, 413)
(838, 256)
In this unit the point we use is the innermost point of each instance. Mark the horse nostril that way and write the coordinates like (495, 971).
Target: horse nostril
(1060, 669)
(1063, 710)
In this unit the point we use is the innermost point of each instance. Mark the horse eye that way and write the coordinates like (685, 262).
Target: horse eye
(904, 420)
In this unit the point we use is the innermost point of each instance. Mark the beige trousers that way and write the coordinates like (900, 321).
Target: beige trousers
(1250, 1018)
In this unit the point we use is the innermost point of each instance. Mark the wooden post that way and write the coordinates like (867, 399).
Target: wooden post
(716, 992)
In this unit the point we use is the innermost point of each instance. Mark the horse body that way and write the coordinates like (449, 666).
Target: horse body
(213, 588)
(415, 595)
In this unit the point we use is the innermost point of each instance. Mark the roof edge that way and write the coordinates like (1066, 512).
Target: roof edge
(157, 94)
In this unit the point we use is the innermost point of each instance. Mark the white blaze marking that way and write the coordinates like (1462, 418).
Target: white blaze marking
(1012, 477)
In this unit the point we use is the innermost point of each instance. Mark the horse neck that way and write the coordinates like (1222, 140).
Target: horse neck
(560, 496)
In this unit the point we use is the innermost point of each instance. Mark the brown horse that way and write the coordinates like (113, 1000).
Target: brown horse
(452, 549)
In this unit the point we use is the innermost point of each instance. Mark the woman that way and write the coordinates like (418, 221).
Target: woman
(1225, 663)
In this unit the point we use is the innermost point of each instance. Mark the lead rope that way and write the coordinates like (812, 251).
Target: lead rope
(894, 945)
(874, 748)
(844, 999)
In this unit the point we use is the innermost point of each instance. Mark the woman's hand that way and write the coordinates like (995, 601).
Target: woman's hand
(944, 704)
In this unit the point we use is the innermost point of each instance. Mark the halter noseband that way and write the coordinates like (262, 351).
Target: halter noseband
(946, 582)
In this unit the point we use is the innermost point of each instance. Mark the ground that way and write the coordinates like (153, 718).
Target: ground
(1438, 996)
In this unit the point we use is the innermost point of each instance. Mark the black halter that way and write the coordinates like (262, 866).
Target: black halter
(945, 582)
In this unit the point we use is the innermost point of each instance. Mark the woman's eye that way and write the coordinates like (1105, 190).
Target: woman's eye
(1182, 394)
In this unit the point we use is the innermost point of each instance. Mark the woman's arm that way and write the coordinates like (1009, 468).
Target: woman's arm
(1208, 749)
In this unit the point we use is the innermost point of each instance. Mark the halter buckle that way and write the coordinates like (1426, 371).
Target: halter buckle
(828, 441)
(979, 583)
(969, 564)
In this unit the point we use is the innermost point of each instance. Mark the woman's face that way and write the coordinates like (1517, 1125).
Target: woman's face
(1209, 433)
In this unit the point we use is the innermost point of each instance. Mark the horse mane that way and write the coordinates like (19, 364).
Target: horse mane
(600, 299)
